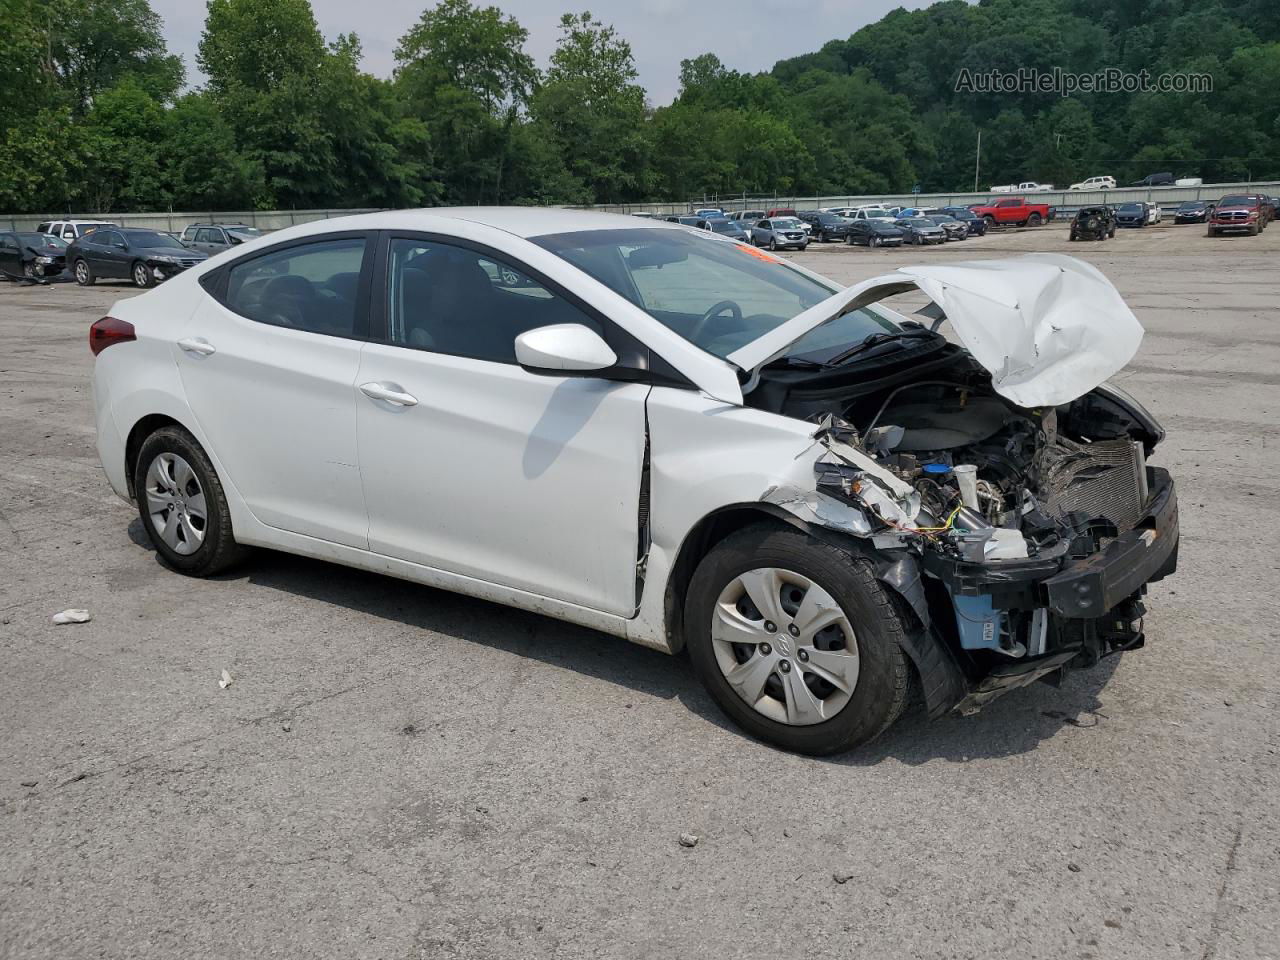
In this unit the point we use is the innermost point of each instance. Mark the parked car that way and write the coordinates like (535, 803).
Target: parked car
(708, 212)
(726, 227)
(921, 231)
(1132, 215)
(35, 256)
(1155, 180)
(888, 214)
(743, 215)
(1014, 211)
(1027, 186)
(825, 227)
(976, 224)
(1154, 213)
(809, 574)
(1239, 212)
(780, 233)
(954, 229)
(1093, 223)
(1095, 183)
(781, 212)
(874, 232)
(686, 219)
(211, 238)
(70, 230)
(1193, 211)
(144, 256)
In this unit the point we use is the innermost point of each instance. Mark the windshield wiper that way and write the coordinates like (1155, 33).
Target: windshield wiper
(875, 340)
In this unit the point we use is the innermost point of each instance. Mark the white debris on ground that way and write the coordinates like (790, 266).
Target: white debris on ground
(72, 616)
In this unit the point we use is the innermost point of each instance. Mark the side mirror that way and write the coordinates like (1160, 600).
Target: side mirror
(563, 350)
(123, 244)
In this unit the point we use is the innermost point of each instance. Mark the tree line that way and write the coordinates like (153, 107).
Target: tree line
(96, 115)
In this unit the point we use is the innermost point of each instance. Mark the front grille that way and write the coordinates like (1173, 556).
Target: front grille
(1234, 215)
(1105, 479)
(187, 263)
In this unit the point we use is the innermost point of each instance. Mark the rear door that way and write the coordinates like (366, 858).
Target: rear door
(478, 467)
(269, 362)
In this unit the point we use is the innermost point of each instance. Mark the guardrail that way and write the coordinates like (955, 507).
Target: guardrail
(174, 222)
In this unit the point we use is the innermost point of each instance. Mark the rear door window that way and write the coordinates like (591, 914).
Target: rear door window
(313, 287)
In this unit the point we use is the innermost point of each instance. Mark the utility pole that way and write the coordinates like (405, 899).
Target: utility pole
(977, 160)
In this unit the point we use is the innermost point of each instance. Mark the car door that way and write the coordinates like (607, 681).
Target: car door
(10, 254)
(211, 240)
(478, 467)
(761, 232)
(268, 361)
(92, 249)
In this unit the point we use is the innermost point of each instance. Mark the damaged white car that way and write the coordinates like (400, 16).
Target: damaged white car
(670, 437)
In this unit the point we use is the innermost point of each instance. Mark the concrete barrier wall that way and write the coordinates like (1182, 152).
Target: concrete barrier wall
(278, 219)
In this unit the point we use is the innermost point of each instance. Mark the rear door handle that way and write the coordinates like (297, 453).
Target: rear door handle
(197, 345)
(389, 392)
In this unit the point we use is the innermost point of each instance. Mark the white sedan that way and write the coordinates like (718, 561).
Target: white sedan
(667, 436)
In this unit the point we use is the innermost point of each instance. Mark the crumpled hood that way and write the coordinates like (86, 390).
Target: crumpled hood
(1049, 328)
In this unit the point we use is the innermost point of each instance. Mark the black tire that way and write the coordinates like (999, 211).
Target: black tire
(880, 694)
(773, 244)
(873, 241)
(84, 273)
(990, 220)
(1034, 220)
(1071, 235)
(1254, 229)
(219, 550)
(29, 270)
(142, 275)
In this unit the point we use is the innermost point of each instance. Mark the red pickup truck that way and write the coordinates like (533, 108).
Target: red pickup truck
(1012, 211)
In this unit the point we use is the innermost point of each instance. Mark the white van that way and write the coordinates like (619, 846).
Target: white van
(70, 230)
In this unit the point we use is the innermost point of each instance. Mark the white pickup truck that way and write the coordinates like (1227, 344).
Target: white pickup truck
(1095, 183)
(1029, 186)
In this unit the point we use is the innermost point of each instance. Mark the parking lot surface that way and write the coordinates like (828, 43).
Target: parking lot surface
(399, 772)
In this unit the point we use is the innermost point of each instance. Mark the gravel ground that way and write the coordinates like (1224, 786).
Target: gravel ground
(398, 772)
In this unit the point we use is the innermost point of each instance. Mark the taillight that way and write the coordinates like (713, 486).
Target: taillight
(107, 331)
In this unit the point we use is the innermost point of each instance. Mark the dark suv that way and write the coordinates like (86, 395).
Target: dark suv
(826, 226)
(211, 238)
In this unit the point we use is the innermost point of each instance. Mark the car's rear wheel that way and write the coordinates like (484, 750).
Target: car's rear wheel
(796, 640)
(84, 274)
(1034, 220)
(142, 275)
(989, 220)
(182, 504)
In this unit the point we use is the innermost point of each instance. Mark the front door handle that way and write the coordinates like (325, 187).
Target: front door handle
(388, 392)
(197, 345)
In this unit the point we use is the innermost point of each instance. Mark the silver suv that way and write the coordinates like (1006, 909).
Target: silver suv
(778, 233)
(211, 238)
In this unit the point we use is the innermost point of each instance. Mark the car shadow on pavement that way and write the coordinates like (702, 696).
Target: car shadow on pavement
(1014, 724)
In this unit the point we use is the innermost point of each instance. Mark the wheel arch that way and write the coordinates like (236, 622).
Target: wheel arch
(699, 541)
(138, 434)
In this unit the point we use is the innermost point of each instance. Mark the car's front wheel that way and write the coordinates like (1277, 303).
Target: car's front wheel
(84, 274)
(142, 275)
(182, 504)
(873, 241)
(796, 640)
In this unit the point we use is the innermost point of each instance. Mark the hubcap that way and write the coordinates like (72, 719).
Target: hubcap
(140, 275)
(82, 272)
(176, 503)
(785, 646)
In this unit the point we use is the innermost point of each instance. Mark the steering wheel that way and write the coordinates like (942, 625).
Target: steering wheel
(714, 311)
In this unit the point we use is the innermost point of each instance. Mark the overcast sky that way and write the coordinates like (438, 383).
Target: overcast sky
(747, 35)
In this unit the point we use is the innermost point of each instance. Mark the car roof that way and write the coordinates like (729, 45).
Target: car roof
(524, 222)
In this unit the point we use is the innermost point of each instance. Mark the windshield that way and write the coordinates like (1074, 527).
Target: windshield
(718, 295)
(1130, 207)
(725, 226)
(1192, 205)
(785, 223)
(1236, 201)
(145, 238)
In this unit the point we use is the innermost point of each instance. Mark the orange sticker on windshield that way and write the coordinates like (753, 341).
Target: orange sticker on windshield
(759, 254)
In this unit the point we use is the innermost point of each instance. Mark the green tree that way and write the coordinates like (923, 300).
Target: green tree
(96, 44)
(592, 108)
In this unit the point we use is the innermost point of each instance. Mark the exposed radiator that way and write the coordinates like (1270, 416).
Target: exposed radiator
(1104, 479)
